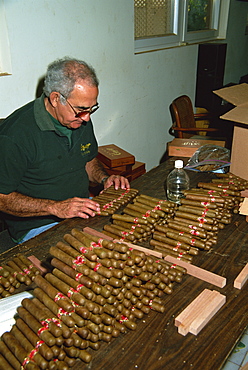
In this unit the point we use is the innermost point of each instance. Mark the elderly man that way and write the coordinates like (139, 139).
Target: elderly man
(48, 153)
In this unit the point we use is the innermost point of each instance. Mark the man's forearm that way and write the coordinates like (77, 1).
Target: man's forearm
(24, 206)
(95, 171)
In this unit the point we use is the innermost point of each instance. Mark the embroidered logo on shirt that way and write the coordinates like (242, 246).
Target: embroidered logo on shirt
(85, 149)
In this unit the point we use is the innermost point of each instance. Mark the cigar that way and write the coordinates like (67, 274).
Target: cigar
(134, 215)
(33, 353)
(53, 306)
(129, 232)
(79, 246)
(8, 357)
(166, 249)
(219, 188)
(91, 245)
(114, 231)
(67, 282)
(171, 241)
(81, 260)
(185, 239)
(54, 294)
(24, 268)
(156, 201)
(76, 264)
(25, 279)
(4, 364)
(126, 218)
(136, 211)
(187, 229)
(129, 225)
(28, 264)
(207, 198)
(139, 207)
(43, 348)
(156, 209)
(199, 211)
(89, 306)
(41, 316)
(78, 277)
(37, 328)
(106, 243)
(3, 272)
(18, 351)
(157, 206)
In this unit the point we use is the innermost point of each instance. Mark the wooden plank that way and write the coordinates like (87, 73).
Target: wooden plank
(194, 310)
(213, 305)
(241, 278)
(38, 264)
(198, 272)
(194, 304)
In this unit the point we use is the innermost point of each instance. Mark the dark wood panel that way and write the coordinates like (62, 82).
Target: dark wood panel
(156, 344)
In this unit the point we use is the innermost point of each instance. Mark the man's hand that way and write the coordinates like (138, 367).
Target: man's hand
(117, 181)
(24, 206)
(75, 207)
(97, 173)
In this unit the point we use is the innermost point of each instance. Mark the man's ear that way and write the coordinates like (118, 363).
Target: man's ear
(54, 98)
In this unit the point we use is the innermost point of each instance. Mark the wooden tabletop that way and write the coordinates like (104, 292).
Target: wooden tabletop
(156, 344)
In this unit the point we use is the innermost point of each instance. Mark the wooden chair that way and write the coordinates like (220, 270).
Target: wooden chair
(184, 119)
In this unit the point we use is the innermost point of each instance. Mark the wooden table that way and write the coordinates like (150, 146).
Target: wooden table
(156, 344)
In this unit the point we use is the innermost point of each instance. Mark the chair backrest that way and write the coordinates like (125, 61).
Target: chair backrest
(183, 114)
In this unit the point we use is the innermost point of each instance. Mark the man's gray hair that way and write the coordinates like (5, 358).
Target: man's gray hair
(62, 75)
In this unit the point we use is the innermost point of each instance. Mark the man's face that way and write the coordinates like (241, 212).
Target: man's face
(83, 97)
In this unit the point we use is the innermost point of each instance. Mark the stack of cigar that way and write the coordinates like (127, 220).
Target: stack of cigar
(202, 213)
(111, 200)
(15, 272)
(139, 219)
(96, 291)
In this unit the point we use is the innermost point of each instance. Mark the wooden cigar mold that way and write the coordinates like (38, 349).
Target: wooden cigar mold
(101, 284)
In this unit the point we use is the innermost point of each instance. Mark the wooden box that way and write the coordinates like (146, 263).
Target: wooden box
(138, 169)
(113, 156)
(187, 147)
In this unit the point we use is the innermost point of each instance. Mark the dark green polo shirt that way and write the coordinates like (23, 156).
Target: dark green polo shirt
(40, 161)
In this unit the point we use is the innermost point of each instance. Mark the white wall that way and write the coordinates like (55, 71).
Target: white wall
(135, 90)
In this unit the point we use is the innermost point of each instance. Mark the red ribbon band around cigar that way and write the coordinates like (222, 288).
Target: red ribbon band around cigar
(58, 297)
(62, 312)
(25, 362)
(78, 276)
(97, 266)
(83, 249)
(123, 318)
(80, 260)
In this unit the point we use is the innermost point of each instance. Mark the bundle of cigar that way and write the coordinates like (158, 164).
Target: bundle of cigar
(196, 222)
(15, 272)
(96, 291)
(111, 200)
(138, 220)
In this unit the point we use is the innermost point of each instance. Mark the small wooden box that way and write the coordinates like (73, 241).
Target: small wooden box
(113, 156)
(187, 147)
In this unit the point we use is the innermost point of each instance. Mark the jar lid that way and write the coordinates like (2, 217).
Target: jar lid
(178, 163)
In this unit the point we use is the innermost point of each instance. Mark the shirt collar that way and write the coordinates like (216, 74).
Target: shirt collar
(43, 118)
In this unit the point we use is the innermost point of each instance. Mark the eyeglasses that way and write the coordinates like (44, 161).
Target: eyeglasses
(83, 113)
